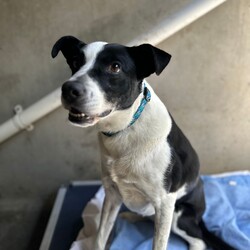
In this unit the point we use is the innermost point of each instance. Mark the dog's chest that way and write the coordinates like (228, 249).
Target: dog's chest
(139, 174)
(133, 190)
(133, 196)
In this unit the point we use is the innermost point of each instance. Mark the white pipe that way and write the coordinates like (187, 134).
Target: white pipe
(169, 26)
(24, 119)
(177, 21)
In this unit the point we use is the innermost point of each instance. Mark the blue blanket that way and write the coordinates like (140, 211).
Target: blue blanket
(227, 215)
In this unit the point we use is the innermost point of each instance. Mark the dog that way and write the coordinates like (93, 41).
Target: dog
(147, 162)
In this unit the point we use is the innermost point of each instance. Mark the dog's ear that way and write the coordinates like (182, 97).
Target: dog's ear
(148, 60)
(71, 48)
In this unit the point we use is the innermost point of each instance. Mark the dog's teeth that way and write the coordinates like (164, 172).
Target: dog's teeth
(77, 115)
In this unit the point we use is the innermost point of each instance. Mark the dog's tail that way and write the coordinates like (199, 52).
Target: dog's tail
(212, 240)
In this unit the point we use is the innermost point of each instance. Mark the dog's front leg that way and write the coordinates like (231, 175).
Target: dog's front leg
(164, 209)
(110, 209)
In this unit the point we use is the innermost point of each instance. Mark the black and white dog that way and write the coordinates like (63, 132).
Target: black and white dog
(147, 162)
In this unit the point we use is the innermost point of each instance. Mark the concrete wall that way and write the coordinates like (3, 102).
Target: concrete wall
(206, 86)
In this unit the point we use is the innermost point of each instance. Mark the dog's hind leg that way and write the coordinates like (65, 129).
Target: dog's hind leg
(110, 209)
(188, 222)
(188, 215)
(187, 228)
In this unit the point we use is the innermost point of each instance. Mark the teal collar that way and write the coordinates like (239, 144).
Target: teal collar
(137, 114)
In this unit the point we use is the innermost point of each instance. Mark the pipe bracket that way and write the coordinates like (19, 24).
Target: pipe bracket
(18, 110)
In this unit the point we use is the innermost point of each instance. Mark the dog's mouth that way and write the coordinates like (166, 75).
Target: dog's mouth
(81, 119)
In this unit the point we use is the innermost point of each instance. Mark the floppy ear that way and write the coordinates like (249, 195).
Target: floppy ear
(148, 60)
(71, 48)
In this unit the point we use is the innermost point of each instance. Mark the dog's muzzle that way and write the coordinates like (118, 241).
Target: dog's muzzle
(80, 103)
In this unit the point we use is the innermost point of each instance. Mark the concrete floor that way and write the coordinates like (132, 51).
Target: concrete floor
(23, 222)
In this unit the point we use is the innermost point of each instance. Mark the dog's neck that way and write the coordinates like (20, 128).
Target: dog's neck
(119, 120)
(144, 101)
(155, 112)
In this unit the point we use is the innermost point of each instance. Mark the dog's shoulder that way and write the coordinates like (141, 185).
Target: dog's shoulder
(184, 167)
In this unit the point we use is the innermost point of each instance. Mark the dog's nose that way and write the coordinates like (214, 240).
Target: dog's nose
(73, 91)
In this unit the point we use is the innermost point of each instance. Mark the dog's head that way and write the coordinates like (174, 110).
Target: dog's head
(105, 77)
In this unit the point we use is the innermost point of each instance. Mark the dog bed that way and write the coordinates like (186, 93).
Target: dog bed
(227, 215)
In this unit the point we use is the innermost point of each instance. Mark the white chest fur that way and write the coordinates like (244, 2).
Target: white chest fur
(139, 177)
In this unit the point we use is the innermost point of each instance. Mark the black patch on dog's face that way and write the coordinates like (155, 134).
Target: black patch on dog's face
(136, 63)
(120, 88)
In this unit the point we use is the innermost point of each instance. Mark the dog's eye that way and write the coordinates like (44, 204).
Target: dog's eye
(114, 67)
